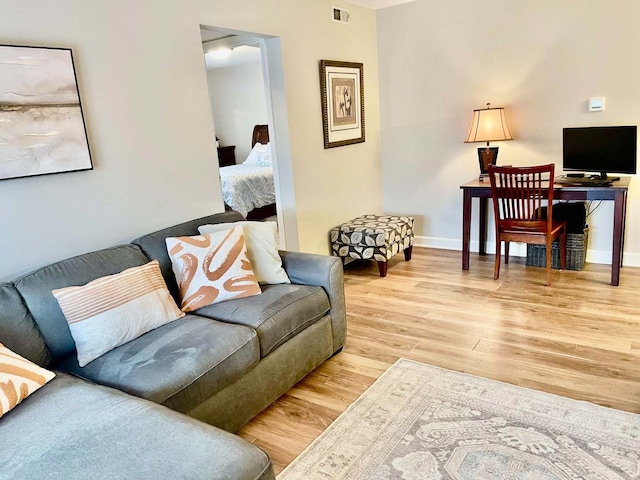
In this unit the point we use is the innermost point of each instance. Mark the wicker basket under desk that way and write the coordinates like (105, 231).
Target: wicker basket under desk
(576, 252)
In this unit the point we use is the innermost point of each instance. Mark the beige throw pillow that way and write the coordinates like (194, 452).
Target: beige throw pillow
(212, 268)
(262, 248)
(19, 378)
(113, 310)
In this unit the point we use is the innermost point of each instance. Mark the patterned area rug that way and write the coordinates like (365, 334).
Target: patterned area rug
(421, 422)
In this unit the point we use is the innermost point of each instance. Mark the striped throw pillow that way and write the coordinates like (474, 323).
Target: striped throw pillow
(113, 310)
(212, 268)
(19, 378)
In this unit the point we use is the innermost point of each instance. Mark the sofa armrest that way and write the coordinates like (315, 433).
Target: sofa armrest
(326, 272)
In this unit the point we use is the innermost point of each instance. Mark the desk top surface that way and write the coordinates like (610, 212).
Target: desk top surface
(622, 184)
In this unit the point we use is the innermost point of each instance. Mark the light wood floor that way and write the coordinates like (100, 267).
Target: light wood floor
(579, 338)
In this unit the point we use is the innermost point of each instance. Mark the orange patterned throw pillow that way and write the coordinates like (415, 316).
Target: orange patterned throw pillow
(212, 268)
(19, 378)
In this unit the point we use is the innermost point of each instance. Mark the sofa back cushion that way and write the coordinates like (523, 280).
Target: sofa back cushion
(36, 288)
(18, 332)
(154, 246)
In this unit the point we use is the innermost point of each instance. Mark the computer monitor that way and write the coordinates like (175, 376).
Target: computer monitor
(600, 149)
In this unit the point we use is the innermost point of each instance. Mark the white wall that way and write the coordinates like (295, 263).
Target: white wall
(238, 102)
(541, 60)
(144, 92)
(143, 89)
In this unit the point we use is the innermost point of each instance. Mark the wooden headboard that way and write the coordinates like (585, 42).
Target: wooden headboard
(260, 135)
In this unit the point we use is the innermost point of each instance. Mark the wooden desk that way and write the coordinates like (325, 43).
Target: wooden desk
(616, 192)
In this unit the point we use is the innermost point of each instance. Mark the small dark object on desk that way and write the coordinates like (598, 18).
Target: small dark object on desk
(593, 181)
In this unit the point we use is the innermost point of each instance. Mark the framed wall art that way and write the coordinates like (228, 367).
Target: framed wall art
(342, 94)
(42, 128)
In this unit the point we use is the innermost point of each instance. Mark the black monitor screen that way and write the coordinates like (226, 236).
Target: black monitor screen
(600, 149)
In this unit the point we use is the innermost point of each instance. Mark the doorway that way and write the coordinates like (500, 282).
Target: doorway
(246, 89)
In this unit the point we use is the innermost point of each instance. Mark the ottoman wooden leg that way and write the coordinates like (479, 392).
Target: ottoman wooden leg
(407, 252)
(382, 268)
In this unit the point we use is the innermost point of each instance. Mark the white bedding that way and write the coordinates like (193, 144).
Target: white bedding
(245, 187)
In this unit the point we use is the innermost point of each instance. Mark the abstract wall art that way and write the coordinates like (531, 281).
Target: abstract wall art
(42, 128)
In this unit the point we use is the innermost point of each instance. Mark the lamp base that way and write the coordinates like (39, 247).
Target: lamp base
(487, 156)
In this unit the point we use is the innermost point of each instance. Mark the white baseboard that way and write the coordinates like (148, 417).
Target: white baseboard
(603, 256)
(520, 250)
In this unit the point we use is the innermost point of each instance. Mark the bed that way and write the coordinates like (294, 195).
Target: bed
(249, 189)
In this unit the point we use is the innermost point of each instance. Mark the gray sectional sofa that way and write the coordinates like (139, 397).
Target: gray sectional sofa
(162, 405)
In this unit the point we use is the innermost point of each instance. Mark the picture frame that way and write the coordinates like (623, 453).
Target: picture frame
(342, 96)
(43, 129)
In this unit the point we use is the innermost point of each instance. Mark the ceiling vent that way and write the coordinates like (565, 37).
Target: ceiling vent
(340, 15)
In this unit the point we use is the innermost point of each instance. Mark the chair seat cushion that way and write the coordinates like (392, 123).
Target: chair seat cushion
(278, 314)
(180, 364)
(535, 235)
(73, 430)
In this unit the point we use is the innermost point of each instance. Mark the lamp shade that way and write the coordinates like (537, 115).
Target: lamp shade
(488, 125)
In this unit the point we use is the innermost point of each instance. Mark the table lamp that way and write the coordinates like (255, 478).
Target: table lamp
(488, 125)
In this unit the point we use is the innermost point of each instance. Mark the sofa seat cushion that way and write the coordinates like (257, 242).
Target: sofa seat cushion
(179, 364)
(74, 430)
(278, 314)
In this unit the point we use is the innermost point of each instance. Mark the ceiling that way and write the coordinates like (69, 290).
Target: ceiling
(375, 4)
(239, 56)
(244, 49)
(208, 34)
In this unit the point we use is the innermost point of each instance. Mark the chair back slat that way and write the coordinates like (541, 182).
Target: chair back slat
(520, 193)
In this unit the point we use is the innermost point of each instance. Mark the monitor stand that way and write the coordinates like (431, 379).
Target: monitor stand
(604, 176)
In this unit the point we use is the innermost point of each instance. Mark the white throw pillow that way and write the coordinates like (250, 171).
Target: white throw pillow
(262, 248)
(260, 156)
(113, 310)
(212, 268)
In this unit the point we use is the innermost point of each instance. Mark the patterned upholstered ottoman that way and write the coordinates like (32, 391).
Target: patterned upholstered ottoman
(376, 237)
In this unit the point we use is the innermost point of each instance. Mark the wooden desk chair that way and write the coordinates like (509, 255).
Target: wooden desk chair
(518, 194)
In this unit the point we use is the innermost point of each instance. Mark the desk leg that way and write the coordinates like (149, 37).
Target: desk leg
(466, 228)
(619, 210)
(624, 223)
(482, 230)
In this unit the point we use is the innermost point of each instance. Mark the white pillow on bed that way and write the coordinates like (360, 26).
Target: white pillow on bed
(260, 155)
(262, 248)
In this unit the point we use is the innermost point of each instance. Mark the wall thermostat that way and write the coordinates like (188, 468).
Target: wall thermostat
(596, 104)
